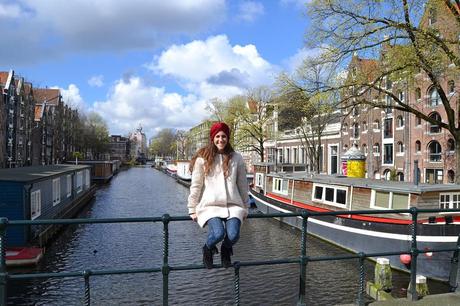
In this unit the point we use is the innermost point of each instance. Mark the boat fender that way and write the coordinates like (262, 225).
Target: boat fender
(405, 260)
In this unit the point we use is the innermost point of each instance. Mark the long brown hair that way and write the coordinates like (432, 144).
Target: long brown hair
(208, 153)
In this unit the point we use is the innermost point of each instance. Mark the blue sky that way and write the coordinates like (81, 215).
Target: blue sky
(151, 62)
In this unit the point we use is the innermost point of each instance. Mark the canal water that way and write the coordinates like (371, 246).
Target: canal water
(141, 192)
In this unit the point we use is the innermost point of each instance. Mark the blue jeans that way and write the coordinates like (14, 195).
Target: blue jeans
(216, 231)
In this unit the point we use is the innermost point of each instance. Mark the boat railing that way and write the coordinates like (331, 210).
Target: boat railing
(166, 268)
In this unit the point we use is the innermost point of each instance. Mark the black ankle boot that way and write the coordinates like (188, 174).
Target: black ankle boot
(225, 256)
(207, 256)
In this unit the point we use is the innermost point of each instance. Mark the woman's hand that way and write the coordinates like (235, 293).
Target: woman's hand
(193, 216)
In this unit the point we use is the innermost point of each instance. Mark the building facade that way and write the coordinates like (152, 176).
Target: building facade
(119, 148)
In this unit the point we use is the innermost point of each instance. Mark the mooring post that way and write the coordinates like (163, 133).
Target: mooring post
(454, 275)
(412, 293)
(3, 273)
(303, 260)
(165, 269)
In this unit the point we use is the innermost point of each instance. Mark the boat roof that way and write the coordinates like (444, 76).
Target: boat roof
(37, 173)
(383, 185)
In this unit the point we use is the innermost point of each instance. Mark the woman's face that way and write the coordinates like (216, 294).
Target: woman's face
(220, 141)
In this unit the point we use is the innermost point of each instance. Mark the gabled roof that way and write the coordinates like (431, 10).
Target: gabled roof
(3, 77)
(51, 96)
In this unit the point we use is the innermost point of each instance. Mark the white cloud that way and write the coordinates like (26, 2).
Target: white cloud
(63, 27)
(295, 61)
(298, 3)
(214, 63)
(96, 81)
(132, 102)
(71, 97)
(250, 10)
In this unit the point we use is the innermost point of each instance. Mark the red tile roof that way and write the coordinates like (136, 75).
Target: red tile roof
(3, 77)
(38, 114)
(51, 96)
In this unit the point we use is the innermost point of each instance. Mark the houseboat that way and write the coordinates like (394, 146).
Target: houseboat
(276, 192)
(102, 171)
(183, 170)
(40, 192)
(171, 168)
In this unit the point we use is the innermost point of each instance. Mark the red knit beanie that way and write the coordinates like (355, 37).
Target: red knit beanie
(217, 127)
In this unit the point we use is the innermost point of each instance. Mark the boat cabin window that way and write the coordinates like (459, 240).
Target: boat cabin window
(35, 204)
(87, 178)
(389, 200)
(329, 194)
(259, 180)
(79, 186)
(280, 186)
(56, 191)
(69, 185)
(449, 200)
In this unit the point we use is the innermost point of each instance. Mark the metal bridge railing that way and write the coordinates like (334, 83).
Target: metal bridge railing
(165, 269)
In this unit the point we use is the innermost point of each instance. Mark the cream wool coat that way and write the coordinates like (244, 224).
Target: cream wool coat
(214, 196)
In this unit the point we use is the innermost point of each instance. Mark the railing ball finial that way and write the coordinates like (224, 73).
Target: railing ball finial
(166, 218)
(413, 210)
(305, 213)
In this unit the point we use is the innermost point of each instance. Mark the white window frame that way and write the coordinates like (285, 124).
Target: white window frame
(451, 201)
(79, 181)
(56, 191)
(390, 204)
(278, 184)
(69, 185)
(323, 197)
(259, 180)
(35, 204)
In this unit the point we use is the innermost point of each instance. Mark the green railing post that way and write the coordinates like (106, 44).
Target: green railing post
(303, 260)
(3, 273)
(454, 275)
(360, 300)
(165, 269)
(236, 265)
(86, 275)
(414, 253)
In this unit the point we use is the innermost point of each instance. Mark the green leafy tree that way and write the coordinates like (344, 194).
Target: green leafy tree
(410, 39)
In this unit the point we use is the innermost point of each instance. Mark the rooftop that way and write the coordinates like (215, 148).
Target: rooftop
(37, 173)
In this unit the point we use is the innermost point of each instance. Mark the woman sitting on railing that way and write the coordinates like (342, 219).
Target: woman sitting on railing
(218, 194)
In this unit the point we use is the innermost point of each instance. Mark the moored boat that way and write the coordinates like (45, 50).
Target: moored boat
(297, 191)
(183, 171)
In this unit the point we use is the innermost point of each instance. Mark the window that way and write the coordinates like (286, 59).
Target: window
(376, 125)
(389, 200)
(355, 130)
(418, 146)
(364, 149)
(449, 200)
(434, 176)
(329, 194)
(345, 128)
(355, 111)
(434, 97)
(79, 186)
(418, 93)
(376, 148)
(295, 159)
(87, 178)
(451, 176)
(400, 147)
(259, 179)
(69, 185)
(400, 121)
(434, 128)
(35, 204)
(364, 126)
(388, 153)
(451, 145)
(288, 155)
(400, 176)
(280, 186)
(401, 96)
(434, 149)
(418, 121)
(280, 156)
(388, 128)
(56, 191)
(451, 86)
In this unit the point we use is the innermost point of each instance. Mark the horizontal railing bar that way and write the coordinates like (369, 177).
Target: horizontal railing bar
(250, 216)
(199, 267)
